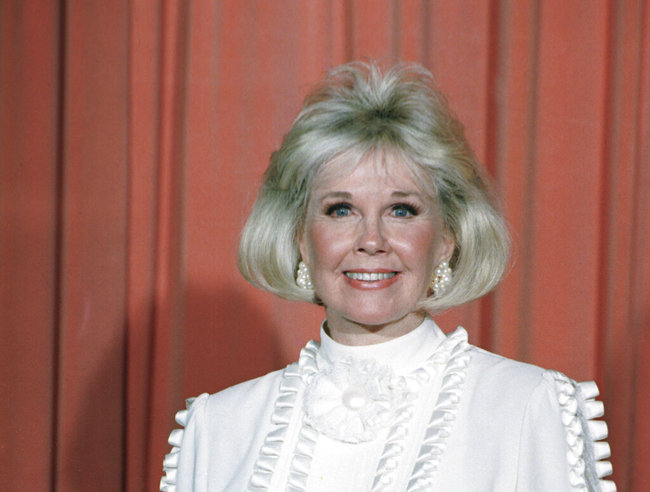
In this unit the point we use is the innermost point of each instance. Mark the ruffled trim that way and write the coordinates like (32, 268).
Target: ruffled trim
(284, 407)
(301, 462)
(453, 354)
(170, 463)
(457, 356)
(304, 451)
(585, 436)
(390, 457)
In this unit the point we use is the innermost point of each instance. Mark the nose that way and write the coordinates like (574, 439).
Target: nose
(372, 238)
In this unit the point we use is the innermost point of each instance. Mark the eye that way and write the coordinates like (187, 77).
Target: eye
(338, 210)
(403, 210)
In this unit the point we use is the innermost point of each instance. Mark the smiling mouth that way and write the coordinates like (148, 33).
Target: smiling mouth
(370, 277)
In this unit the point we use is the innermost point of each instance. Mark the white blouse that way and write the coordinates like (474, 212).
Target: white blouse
(422, 412)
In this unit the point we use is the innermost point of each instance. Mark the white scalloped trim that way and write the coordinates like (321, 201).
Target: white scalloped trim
(457, 358)
(587, 449)
(389, 459)
(284, 404)
(170, 463)
(304, 451)
(452, 354)
(448, 355)
(301, 462)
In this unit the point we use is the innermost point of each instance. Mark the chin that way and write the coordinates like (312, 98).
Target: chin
(378, 318)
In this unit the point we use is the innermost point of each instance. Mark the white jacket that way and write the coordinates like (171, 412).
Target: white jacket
(423, 412)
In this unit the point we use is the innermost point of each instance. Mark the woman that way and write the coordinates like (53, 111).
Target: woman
(375, 208)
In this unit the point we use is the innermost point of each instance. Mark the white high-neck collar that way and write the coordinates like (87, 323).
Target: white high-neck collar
(403, 353)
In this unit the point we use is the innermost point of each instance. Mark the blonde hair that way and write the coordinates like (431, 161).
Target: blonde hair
(359, 109)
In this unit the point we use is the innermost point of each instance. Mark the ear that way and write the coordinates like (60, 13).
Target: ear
(302, 246)
(446, 248)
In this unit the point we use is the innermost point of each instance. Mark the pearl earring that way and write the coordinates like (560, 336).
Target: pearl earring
(441, 278)
(303, 278)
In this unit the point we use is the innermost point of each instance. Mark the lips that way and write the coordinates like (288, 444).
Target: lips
(370, 276)
(367, 279)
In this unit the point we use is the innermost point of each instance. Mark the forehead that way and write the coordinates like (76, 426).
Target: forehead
(379, 167)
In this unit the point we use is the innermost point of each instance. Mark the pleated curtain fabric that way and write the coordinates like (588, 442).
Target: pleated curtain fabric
(133, 136)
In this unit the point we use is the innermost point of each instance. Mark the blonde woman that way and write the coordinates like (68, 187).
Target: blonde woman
(375, 208)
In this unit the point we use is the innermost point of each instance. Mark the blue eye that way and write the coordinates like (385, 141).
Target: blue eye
(338, 210)
(403, 210)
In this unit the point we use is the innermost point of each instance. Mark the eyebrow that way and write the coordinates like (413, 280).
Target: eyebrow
(348, 195)
(336, 194)
(405, 194)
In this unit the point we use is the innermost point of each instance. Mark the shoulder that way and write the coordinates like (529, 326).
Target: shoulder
(500, 393)
(244, 396)
(546, 412)
(514, 387)
(229, 425)
(498, 373)
(240, 410)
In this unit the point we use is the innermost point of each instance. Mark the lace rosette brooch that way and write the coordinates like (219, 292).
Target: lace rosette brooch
(352, 400)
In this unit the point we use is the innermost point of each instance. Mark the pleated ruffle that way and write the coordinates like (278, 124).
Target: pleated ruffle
(450, 361)
(587, 449)
(170, 463)
(457, 356)
(283, 411)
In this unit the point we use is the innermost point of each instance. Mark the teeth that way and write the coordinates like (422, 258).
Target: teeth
(369, 277)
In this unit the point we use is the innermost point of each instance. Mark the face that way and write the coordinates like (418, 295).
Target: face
(371, 240)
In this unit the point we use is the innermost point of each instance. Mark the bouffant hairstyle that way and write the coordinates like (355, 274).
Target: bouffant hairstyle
(359, 109)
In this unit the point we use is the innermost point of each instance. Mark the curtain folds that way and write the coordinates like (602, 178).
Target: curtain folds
(133, 136)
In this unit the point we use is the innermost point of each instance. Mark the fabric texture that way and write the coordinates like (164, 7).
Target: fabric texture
(421, 412)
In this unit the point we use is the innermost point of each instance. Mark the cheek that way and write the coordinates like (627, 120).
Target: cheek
(322, 247)
(419, 246)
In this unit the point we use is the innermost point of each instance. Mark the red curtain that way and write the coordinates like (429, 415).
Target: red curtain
(133, 136)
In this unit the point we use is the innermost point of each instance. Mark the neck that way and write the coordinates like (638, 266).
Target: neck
(349, 332)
